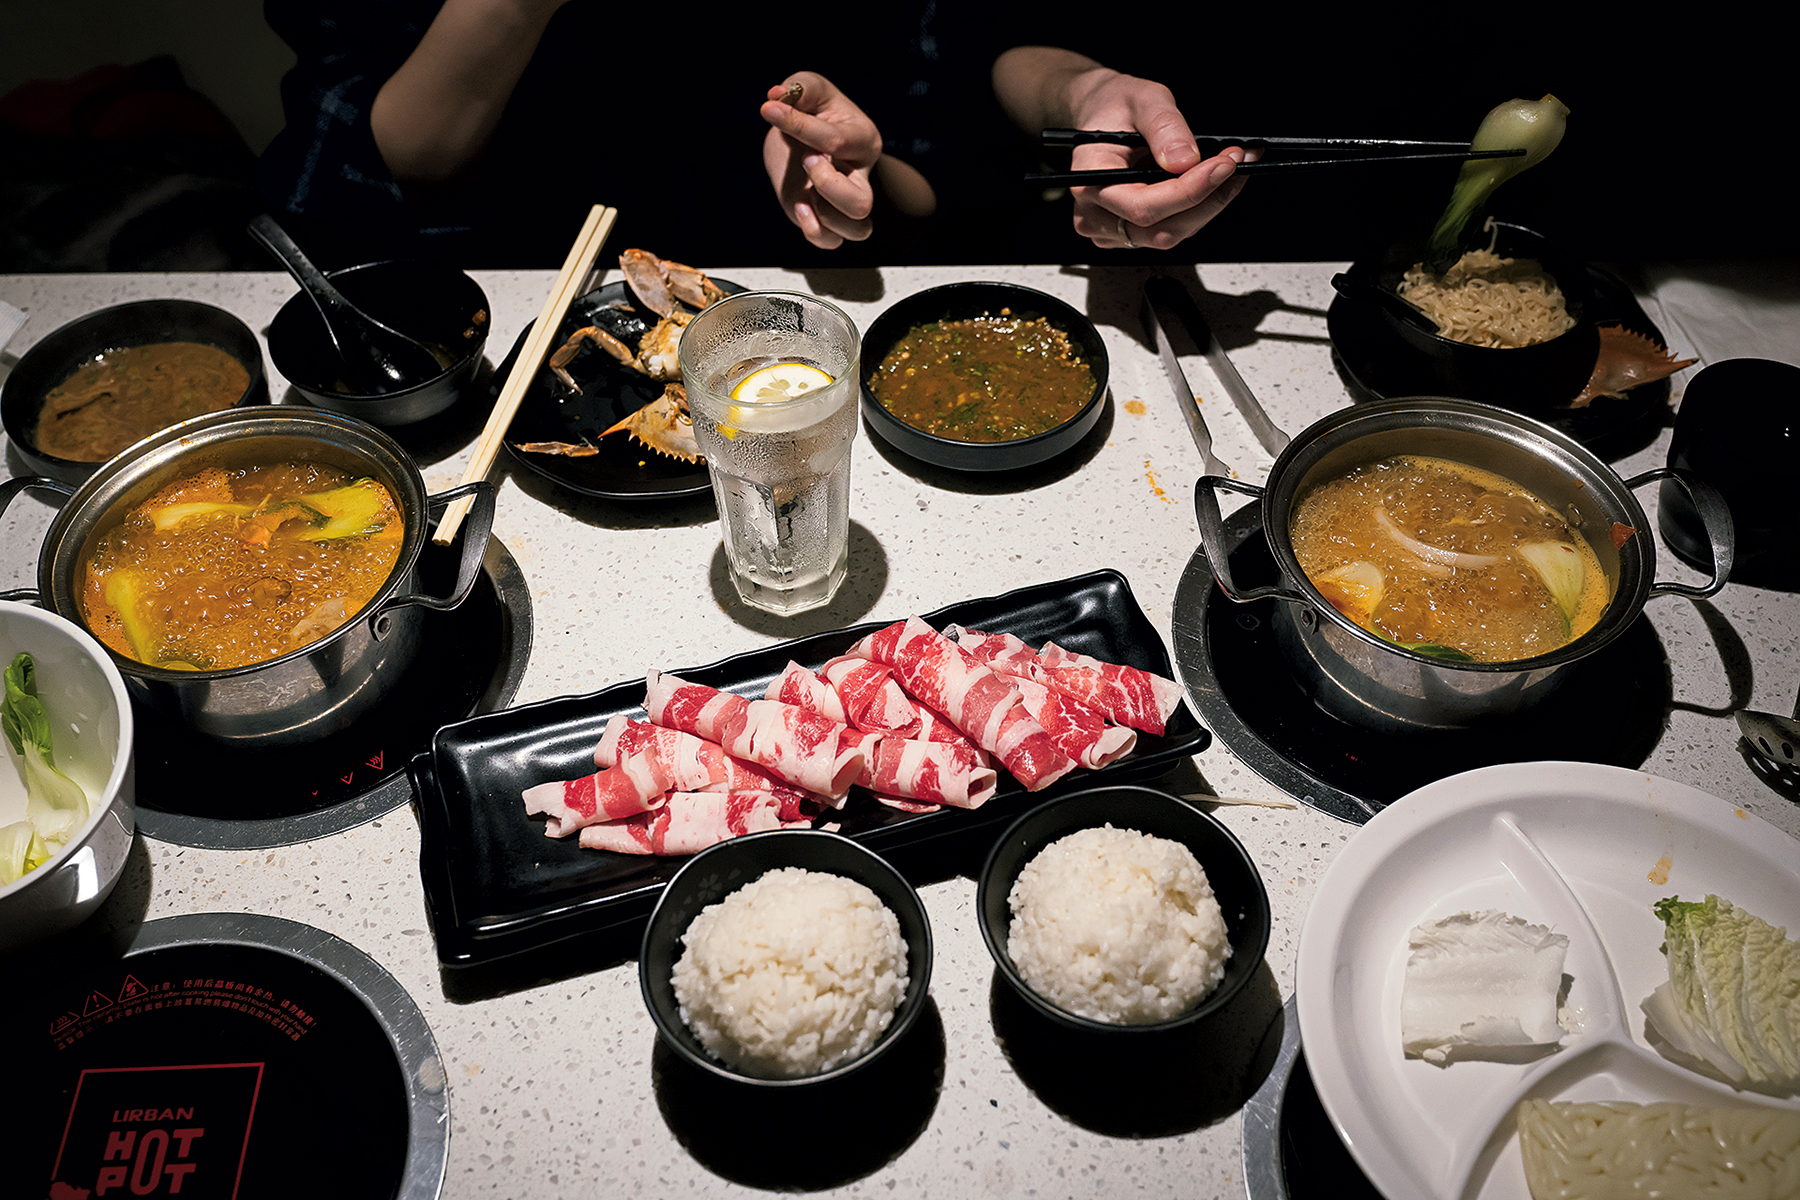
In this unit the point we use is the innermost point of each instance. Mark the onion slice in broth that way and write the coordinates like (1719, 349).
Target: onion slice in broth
(1439, 561)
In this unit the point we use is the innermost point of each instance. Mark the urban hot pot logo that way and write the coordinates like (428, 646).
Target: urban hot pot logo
(158, 1131)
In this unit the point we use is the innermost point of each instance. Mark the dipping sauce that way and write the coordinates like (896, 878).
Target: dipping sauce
(225, 568)
(1449, 560)
(984, 379)
(126, 395)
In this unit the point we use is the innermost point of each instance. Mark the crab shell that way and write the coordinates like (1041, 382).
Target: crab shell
(664, 425)
(660, 282)
(1627, 360)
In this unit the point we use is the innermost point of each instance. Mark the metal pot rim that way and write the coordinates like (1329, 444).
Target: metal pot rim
(91, 502)
(1637, 557)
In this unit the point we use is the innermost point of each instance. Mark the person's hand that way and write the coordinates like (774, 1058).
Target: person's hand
(819, 152)
(1153, 216)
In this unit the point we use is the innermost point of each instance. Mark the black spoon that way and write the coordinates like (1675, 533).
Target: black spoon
(1361, 289)
(377, 358)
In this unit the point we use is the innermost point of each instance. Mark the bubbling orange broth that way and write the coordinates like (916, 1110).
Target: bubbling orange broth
(1449, 559)
(226, 567)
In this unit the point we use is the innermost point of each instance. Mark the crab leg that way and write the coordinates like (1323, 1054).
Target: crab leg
(565, 354)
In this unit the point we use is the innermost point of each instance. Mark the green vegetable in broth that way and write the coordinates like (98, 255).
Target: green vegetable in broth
(1534, 126)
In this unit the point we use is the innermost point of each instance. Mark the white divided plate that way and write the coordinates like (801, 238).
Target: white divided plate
(1582, 848)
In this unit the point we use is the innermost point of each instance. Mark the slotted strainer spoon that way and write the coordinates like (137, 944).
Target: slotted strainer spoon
(1776, 740)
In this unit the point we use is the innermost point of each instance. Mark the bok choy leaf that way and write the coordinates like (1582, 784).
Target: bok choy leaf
(55, 805)
(1534, 126)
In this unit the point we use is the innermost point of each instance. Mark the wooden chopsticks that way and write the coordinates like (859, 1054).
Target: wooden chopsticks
(570, 284)
(1338, 152)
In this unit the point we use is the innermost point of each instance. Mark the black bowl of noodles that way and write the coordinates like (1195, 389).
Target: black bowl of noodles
(1527, 377)
(982, 376)
(105, 381)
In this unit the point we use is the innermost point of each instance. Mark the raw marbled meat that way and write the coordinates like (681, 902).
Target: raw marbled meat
(872, 699)
(1082, 733)
(635, 786)
(693, 763)
(1126, 695)
(929, 771)
(794, 745)
(978, 700)
(800, 687)
(687, 824)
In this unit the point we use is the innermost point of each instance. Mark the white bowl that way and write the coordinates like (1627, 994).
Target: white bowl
(91, 734)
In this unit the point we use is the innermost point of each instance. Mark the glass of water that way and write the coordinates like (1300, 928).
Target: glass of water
(771, 379)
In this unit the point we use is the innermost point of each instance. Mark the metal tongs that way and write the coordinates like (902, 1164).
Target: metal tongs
(1336, 152)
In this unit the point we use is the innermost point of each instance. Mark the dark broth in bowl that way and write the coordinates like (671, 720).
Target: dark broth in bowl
(128, 394)
(984, 379)
(1450, 560)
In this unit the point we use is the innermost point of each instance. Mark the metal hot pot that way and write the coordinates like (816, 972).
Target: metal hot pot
(310, 692)
(1375, 684)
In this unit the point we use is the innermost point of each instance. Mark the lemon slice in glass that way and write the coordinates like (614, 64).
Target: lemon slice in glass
(771, 385)
(780, 381)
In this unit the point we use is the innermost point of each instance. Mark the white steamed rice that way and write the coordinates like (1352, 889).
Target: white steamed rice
(791, 975)
(1117, 926)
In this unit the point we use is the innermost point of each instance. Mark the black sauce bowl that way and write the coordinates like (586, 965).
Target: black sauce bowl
(718, 871)
(961, 301)
(1229, 869)
(430, 302)
(1523, 378)
(140, 323)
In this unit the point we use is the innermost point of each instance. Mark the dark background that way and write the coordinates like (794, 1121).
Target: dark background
(1674, 140)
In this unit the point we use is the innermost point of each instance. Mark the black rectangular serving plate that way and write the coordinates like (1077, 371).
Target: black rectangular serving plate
(495, 886)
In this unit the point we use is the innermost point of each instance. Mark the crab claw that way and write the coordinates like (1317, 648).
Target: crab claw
(1627, 360)
(664, 425)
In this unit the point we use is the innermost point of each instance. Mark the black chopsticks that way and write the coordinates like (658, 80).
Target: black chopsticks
(1339, 152)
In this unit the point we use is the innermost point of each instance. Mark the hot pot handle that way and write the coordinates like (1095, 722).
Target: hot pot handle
(1212, 539)
(1715, 514)
(475, 533)
(11, 488)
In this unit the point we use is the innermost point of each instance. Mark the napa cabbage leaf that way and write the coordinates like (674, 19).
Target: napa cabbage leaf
(1733, 995)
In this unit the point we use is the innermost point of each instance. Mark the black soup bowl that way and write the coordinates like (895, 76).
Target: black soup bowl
(140, 323)
(1229, 869)
(720, 870)
(964, 301)
(1523, 378)
(430, 302)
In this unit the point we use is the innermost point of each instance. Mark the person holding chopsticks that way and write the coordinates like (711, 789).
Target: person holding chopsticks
(1049, 87)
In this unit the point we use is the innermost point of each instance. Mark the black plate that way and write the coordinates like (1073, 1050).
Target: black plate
(1380, 366)
(221, 1055)
(496, 886)
(624, 469)
(1611, 708)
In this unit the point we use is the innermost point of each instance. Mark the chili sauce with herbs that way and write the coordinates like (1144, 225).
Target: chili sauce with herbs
(984, 379)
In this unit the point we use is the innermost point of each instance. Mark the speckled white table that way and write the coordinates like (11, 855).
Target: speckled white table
(554, 1091)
